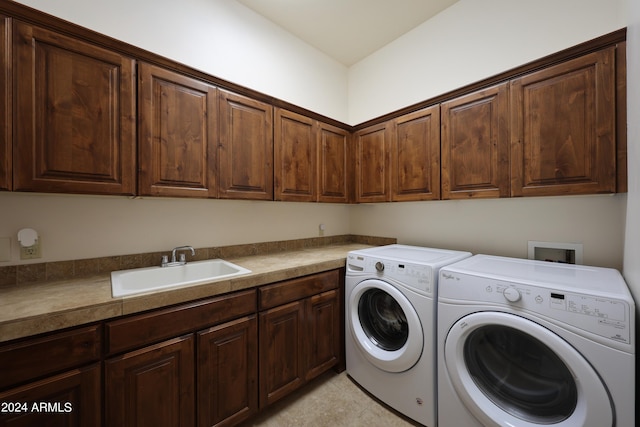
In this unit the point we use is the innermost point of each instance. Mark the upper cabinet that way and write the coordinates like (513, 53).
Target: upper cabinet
(246, 148)
(334, 166)
(475, 144)
(564, 128)
(372, 146)
(84, 113)
(177, 131)
(5, 105)
(296, 146)
(415, 156)
(75, 109)
(311, 159)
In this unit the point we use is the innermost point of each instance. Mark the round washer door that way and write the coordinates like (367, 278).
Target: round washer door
(511, 371)
(385, 326)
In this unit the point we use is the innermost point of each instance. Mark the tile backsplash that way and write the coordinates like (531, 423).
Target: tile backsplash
(63, 270)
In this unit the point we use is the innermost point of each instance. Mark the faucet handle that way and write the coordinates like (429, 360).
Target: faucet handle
(165, 260)
(183, 257)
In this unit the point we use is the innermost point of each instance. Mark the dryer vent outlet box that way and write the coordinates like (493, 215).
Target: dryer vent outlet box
(568, 253)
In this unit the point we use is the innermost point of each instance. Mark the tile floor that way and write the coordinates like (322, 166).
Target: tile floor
(330, 400)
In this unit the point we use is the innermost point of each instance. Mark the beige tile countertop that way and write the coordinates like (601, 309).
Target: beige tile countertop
(48, 306)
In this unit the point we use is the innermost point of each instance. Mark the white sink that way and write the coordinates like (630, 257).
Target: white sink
(139, 280)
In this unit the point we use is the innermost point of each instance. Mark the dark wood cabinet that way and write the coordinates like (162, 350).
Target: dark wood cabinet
(153, 386)
(77, 116)
(54, 380)
(227, 365)
(201, 354)
(72, 398)
(311, 159)
(5, 105)
(415, 156)
(334, 165)
(295, 144)
(281, 351)
(372, 146)
(475, 144)
(211, 362)
(76, 107)
(564, 128)
(177, 134)
(323, 313)
(246, 148)
(300, 333)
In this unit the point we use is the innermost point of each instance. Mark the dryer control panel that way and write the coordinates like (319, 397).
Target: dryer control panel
(603, 316)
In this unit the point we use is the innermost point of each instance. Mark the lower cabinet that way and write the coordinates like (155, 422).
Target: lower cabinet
(299, 333)
(211, 362)
(68, 399)
(52, 380)
(227, 365)
(152, 386)
(282, 356)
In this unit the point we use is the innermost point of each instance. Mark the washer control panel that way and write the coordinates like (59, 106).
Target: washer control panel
(603, 316)
(415, 276)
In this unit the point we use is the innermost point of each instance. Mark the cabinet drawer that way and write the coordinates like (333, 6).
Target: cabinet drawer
(140, 330)
(37, 357)
(292, 290)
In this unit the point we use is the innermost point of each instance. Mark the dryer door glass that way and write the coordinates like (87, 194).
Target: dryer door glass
(383, 320)
(520, 374)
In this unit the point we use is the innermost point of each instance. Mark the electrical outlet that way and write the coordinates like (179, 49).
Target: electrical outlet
(31, 252)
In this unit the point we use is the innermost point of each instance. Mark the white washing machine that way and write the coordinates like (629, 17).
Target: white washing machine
(526, 343)
(390, 324)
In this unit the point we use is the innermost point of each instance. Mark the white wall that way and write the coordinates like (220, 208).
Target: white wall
(221, 37)
(503, 226)
(632, 235)
(470, 41)
(78, 227)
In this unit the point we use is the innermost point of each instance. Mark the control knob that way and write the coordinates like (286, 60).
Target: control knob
(379, 266)
(511, 294)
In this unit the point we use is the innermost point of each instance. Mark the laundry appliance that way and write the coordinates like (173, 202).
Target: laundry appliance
(525, 343)
(390, 301)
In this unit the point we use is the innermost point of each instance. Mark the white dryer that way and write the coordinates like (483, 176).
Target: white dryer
(526, 343)
(390, 298)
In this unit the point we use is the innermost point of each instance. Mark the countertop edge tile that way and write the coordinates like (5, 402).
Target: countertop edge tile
(25, 327)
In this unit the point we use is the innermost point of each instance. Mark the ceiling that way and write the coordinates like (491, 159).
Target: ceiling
(348, 30)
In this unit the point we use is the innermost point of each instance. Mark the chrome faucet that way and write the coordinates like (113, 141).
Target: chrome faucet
(181, 260)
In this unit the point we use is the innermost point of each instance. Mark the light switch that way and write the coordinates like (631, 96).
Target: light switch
(5, 249)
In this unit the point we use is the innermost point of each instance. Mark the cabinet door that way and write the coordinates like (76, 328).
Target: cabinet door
(334, 170)
(372, 146)
(475, 145)
(295, 157)
(153, 386)
(69, 399)
(5, 105)
(177, 134)
(282, 351)
(564, 118)
(323, 335)
(415, 156)
(246, 148)
(228, 373)
(76, 108)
